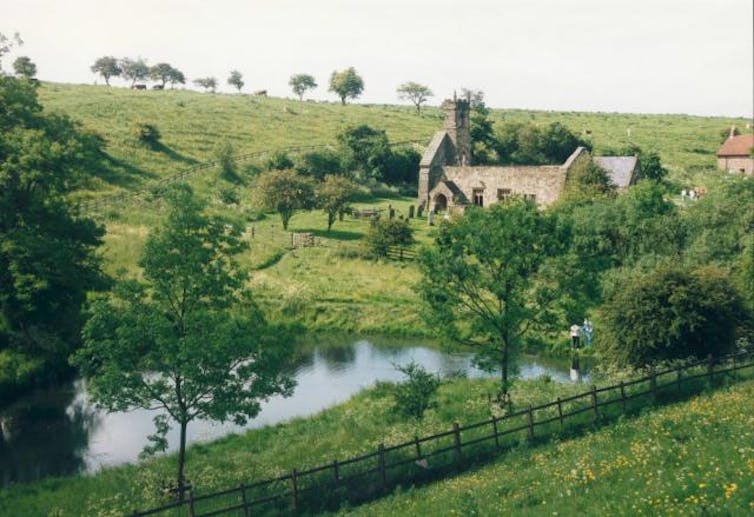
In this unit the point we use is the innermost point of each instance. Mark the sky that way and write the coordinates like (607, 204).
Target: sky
(640, 56)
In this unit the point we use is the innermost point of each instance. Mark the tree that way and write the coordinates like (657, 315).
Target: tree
(279, 160)
(284, 192)
(7, 44)
(107, 67)
(318, 164)
(385, 234)
(672, 312)
(134, 70)
(48, 260)
(299, 83)
(187, 339)
(236, 79)
(23, 67)
(365, 151)
(176, 77)
(483, 280)
(346, 84)
(333, 196)
(587, 180)
(413, 397)
(416, 93)
(164, 72)
(650, 167)
(528, 144)
(208, 83)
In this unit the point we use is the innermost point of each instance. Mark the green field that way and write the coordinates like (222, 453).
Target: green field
(371, 296)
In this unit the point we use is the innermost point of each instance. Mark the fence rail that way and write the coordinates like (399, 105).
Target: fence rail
(423, 458)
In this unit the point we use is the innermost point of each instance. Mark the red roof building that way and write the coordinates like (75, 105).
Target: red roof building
(735, 155)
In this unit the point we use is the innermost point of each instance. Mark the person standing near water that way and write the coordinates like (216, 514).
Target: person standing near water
(575, 335)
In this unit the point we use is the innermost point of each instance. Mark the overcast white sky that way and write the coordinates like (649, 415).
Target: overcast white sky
(650, 56)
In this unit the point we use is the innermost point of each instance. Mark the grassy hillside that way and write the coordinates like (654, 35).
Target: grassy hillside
(693, 458)
(368, 296)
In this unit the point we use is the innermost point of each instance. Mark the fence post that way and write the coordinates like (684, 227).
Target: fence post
(678, 379)
(530, 418)
(418, 447)
(294, 490)
(623, 395)
(594, 402)
(494, 428)
(560, 412)
(653, 383)
(457, 437)
(242, 488)
(336, 470)
(191, 502)
(381, 465)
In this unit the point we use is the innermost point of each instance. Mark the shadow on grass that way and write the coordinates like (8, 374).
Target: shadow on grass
(121, 173)
(339, 235)
(173, 154)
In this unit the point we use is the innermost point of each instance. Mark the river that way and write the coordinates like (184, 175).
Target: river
(59, 432)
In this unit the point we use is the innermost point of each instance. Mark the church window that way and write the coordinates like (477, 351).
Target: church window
(503, 193)
(479, 196)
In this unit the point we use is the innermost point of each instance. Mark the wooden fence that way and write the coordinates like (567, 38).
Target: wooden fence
(417, 461)
(401, 253)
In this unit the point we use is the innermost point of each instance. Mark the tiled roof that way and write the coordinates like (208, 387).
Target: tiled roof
(621, 169)
(737, 146)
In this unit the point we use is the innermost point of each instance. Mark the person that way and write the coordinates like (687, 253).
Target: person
(588, 331)
(575, 335)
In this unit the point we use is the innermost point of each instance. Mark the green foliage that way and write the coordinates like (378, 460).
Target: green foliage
(107, 67)
(528, 144)
(187, 339)
(299, 83)
(650, 167)
(164, 72)
(225, 157)
(402, 166)
(23, 67)
(346, 84)
(670, 313)
(279, 161)
(415, 395)
(284, 192)
(416, 93)
(47, 250)
(236, 79)
(365, 152)
(319, 164)
(147, 134)
(208, 83)
(230, 196)
(134, 70)
(333, 196)
(587, 180)
(385, 234)
(478, 280)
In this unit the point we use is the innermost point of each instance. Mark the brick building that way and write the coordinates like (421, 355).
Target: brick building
(735, 155)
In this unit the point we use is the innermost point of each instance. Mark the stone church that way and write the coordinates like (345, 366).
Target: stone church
(448, 180)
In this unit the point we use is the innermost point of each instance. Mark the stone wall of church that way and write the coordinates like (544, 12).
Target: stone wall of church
(544, 184)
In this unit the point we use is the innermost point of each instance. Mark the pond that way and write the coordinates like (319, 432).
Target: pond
(59, 432)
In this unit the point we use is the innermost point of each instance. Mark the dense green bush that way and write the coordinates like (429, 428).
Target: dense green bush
(414, 396)
(386, 234)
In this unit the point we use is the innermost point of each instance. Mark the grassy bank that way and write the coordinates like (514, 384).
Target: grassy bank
(368, 420)
(692, 458)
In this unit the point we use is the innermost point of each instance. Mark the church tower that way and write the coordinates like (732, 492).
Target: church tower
(458, 126)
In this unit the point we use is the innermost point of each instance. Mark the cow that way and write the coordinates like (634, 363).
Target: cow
(158, 87)
(261, 93)
(139, 87)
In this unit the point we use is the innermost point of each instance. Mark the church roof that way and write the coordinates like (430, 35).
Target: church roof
(433, 148)
(620, 169)
(739, 145)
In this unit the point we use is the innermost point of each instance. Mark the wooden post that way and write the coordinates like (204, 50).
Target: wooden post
(411, 212)
(336, 470)
(242, 488)
(494, 428)
(294, 490)
(418, 448)
(560, 412)
(381, 465)
(678, 379)
(457, 437)
(623, 395)
(653, 383)
(530, 417)
(594, 402)
(192, 513)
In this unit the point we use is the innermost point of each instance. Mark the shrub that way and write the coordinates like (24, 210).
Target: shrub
(385, 234)
(147, 134)
(671, 313)
(414, 396)
(225, 156)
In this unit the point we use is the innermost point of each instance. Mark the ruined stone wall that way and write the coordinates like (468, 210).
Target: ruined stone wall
(737, 164)
(439, 152)
(545, 182)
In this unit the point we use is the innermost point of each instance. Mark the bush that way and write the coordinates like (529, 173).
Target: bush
(225, 156)
(414, 396)
(385, 234)
(671, 313)
(147, 134)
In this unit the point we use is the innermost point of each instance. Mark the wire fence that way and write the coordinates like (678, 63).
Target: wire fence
(358, 479)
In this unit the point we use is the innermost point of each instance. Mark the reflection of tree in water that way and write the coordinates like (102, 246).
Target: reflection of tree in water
(45, 434)
(337, 357)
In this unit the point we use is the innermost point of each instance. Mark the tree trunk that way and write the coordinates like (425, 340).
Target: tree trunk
(343, 100)
(182, 462)
(504, 373)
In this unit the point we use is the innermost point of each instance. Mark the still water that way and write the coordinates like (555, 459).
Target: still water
(59, 432)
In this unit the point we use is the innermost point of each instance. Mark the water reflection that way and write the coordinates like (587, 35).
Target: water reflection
(59, 432)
